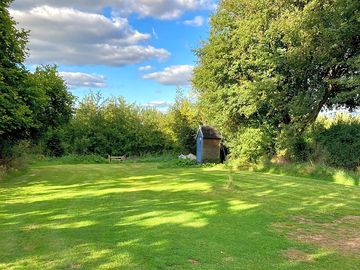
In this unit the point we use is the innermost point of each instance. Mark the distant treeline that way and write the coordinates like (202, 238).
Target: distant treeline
(112, 126)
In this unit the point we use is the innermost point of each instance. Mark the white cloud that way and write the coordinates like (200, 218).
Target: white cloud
(173, 75)
(158, 104)
(154, 34)
(72, 37)
(196, 22)
(144, 68)
(162, 9)
(78, 79)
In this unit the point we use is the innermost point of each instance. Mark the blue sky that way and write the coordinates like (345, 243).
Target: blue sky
(141, 50)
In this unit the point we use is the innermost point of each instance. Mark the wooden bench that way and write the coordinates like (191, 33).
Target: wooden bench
(121, 158)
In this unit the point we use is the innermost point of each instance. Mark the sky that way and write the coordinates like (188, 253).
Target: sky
(139, 49)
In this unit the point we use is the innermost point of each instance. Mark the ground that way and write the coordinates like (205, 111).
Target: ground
(140, 216)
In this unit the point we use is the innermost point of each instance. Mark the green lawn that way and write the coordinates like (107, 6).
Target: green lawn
(136, 216)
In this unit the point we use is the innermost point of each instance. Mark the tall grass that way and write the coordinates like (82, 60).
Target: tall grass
(308, 169)
(69, 159)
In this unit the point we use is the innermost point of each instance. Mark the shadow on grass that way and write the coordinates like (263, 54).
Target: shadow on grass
(130, 217)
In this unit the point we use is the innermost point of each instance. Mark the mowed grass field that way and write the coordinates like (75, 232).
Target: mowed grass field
(139, 216)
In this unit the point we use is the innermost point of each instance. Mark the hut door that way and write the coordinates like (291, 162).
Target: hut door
(199, 149)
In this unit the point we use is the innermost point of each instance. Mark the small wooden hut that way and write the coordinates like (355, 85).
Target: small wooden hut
(208, 145)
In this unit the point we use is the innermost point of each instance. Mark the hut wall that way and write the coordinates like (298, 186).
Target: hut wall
(211, 150)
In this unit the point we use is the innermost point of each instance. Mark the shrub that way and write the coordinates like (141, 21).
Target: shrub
(166, 157)
(342, 144)
(179, 163)
(250, 145)
(54, 145)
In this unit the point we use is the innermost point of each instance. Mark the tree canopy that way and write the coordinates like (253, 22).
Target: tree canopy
(31, 103)
(14, 97)
(274, 65)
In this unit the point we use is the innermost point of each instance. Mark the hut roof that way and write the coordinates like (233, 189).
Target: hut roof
(209, 132)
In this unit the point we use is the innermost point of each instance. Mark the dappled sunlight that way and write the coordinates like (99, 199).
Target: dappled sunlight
(236, 205)
(109, 217)
(78, 224)
(340, 177)
(156, 218)
(264, 193)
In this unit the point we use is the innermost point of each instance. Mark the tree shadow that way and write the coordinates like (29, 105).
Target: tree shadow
(173, 219)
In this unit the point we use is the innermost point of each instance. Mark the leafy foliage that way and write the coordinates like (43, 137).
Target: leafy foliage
(111, 126)
(15, 99)
(54, 143)
(340, 141)
(30, 103)
(250, 145)
(183, 123)
(179, 163)
(53, 105)
(275, 64)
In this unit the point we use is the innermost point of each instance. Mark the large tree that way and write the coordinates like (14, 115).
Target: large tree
(14, 111)
(275, 65)
(30, 103)
(53, 102)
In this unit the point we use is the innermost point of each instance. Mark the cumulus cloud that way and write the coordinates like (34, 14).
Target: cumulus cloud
(173, 75)
(72, 37)
(78, 79)
(196, 22)
(162, 9)
(144, 68)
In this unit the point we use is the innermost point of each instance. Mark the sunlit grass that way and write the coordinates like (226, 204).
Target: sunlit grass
(136, 216)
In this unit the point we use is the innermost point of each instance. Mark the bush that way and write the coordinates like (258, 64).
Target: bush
(166, 157)
(292, 146)
(54, 143)
(336, 141)
(19, 160)
(342, 144)
(250, 145)
(179, 163)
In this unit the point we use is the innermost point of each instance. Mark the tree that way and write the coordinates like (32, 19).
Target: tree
(112, 126)
(30, 103)
(184, 122)
(274, 65)
(14, 110)
(53, 105)
(15, 114)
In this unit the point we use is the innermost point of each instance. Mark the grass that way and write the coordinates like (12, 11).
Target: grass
(68, 159)
(311, 170)
(140, 216)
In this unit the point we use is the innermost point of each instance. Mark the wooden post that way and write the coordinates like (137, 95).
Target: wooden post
(109, 158)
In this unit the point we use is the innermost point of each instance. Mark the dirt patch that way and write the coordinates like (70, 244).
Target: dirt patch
(341, 235)
(193, 261)
(226, 258)
(297, 255)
